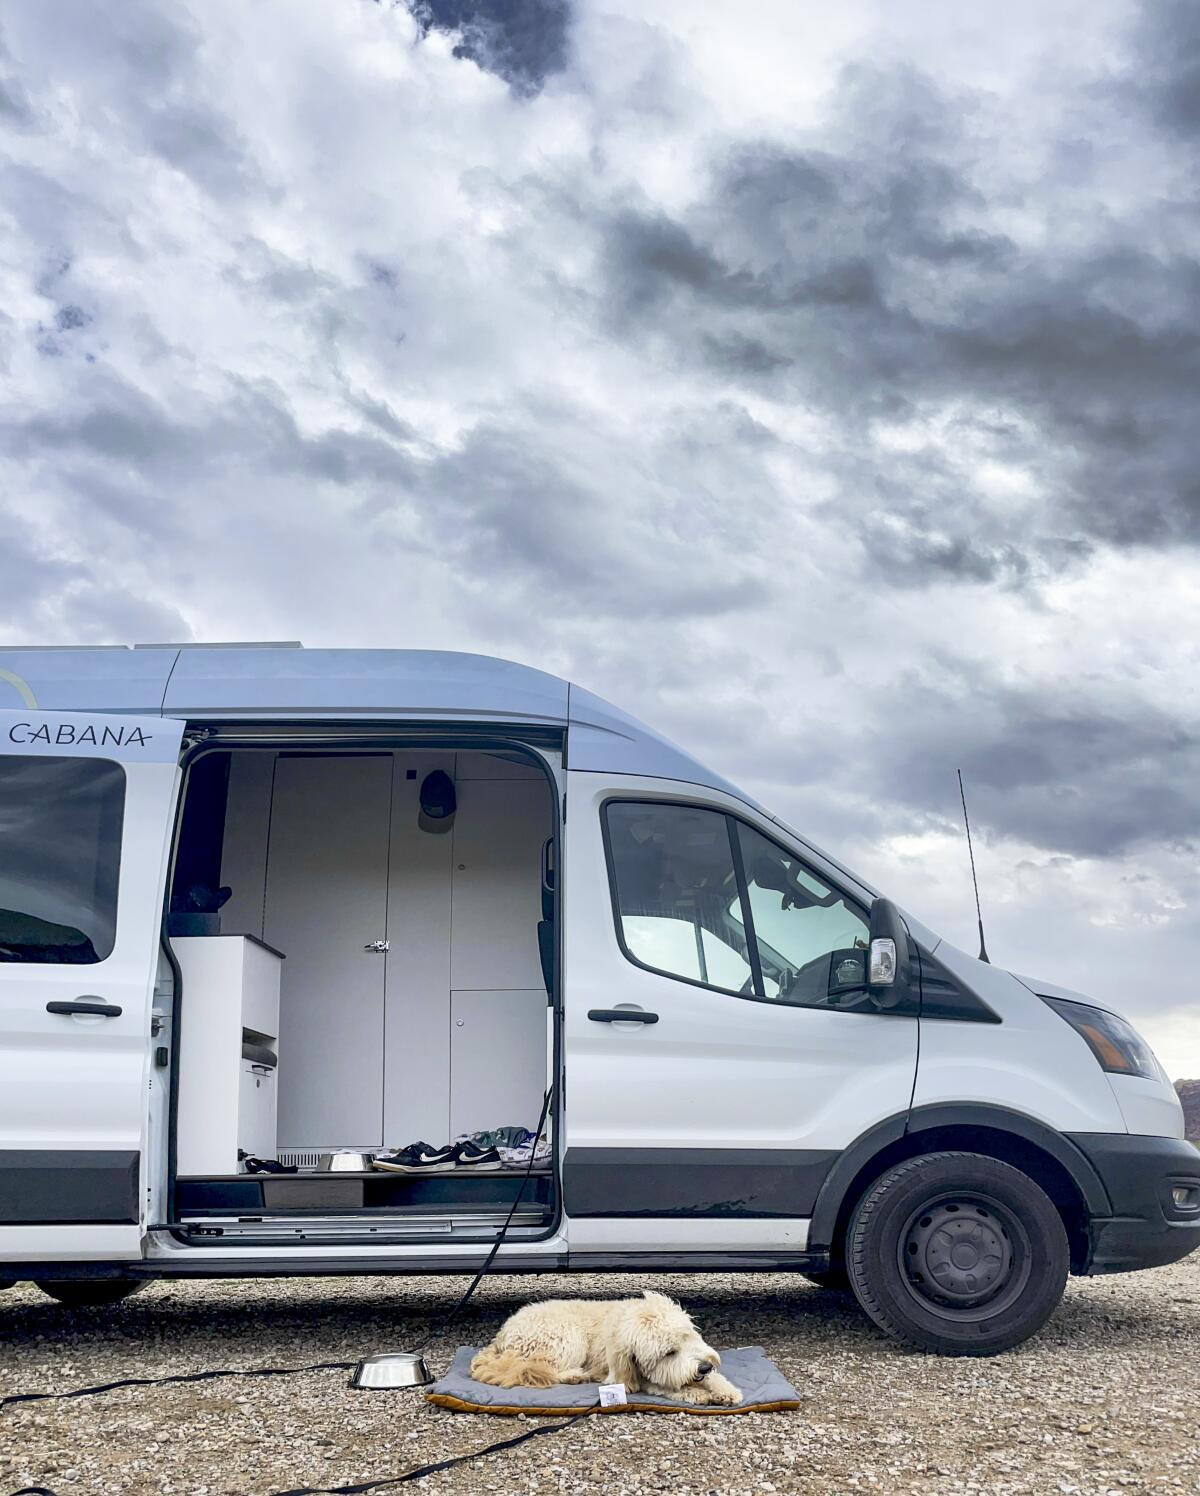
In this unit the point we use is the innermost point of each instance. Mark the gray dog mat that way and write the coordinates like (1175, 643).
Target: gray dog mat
(763, 1387)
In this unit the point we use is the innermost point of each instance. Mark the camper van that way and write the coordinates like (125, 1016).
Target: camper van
(299, 947)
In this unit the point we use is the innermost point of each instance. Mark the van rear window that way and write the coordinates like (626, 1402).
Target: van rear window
(60, 858)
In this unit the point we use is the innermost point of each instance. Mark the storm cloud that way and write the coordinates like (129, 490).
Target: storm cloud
(820, 387)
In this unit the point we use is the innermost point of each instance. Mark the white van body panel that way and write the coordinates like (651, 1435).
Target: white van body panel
(1031, 1062)
(717, 1234)
(59, 1243)
(1150, 1108)
(716, 1071)
(77, 1086)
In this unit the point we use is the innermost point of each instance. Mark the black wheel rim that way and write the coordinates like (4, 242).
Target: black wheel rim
(964, 1255)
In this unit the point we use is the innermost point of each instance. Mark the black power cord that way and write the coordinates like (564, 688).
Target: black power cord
(286, 1371)
(421, 1471)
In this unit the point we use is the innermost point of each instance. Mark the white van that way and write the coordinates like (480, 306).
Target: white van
(263, 908)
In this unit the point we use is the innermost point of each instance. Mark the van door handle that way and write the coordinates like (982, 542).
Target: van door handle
(86, 1005)
(621, 1015)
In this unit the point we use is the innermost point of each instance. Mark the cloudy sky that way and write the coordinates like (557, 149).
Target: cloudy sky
(818, 382)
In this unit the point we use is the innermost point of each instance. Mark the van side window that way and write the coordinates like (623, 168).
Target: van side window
(60, 858)
(674, 883)
(809, 939)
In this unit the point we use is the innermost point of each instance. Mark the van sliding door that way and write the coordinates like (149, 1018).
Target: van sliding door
(86, 804)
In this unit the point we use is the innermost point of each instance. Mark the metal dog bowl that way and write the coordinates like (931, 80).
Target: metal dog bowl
(344, 1161)
(395, 1369)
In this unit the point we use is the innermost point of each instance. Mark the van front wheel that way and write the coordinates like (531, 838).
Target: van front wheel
(90, 1293)
(957, 1253)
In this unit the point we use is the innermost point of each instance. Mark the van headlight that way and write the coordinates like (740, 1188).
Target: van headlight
(1117, 1045)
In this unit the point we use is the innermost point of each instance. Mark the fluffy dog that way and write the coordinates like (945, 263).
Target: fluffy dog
(648, 1344)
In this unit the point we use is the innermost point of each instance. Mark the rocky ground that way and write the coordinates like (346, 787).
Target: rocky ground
(1106, 1399)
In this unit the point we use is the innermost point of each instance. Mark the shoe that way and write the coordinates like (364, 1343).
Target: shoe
(417, 1158)
(470, 1155)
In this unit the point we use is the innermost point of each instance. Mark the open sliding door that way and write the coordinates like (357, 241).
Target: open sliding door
(86, 805)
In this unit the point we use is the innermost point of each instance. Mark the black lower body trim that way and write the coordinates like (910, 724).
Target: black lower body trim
(1147, 1228)
(697, 1262)
(741, 1183)
(68, 1187)
(1124, 1246)
(292, 1266)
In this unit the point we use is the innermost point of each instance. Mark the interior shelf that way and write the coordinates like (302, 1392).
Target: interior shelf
(242, 1194)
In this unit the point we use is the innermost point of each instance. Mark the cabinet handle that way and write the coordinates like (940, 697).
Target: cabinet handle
(378, 947)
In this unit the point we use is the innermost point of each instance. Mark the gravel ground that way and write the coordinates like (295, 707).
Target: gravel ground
(1107, 1399)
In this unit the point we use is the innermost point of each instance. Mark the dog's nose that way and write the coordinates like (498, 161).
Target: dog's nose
(703, 1369)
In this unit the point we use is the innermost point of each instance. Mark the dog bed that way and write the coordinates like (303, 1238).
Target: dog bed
(763, 1387)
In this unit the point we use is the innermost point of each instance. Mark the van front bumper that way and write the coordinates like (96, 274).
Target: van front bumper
(1150, 1225)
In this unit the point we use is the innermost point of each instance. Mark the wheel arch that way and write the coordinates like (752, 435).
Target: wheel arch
(1046, 1156)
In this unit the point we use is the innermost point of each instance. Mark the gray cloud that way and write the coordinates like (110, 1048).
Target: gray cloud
(523, 41)
(1064, 775)
(1166, 81)
(859, 281)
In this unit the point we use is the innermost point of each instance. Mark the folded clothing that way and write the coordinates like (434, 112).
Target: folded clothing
(499, 1137)
(518, 1158)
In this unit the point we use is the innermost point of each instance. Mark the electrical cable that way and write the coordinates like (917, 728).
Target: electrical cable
(448, 1319)
(359, 1487)
(436, 1469)
(183, 1376)
(436, 1328)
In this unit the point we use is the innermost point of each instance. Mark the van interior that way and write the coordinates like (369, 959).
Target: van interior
(361, 956)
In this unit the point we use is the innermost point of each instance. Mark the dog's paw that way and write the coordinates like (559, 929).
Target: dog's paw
(720, 1390)
(713, 1391)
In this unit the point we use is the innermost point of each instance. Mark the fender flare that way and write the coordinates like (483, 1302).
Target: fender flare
(910, 1125)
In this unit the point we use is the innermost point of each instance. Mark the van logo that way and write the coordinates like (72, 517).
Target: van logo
(67, 735)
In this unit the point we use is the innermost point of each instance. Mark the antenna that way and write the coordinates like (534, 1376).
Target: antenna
(983, 955)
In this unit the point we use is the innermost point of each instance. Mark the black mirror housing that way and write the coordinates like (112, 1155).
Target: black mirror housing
(889, 979)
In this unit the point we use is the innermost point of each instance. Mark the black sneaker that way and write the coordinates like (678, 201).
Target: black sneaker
(471, 1156)
(417, 1158)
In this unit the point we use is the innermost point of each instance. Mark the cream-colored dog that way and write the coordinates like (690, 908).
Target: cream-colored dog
(648, 1344)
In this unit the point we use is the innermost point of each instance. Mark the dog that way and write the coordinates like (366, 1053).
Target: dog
(648, 1345)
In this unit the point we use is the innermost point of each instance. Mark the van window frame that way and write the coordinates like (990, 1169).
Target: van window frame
(732, 822)
(122, 817)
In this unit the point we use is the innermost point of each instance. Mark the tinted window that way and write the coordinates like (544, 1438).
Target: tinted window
(810, 941)
(674, 882)
(60, 857)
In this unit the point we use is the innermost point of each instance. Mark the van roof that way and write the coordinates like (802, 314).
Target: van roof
(285, 682)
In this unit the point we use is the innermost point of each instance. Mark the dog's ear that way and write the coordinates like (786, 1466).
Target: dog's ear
(654, 1297)
(623, 1368)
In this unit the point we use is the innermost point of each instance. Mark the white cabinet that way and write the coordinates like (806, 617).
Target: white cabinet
(229, 1030)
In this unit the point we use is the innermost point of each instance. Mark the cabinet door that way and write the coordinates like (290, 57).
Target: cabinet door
(497, 1059)
(498, 836)
(326, 907)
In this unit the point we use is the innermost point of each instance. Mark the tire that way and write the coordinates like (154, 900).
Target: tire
(958, 1254)
(90, 1293)
(835, 1279)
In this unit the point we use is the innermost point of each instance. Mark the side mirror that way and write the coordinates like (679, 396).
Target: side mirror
(887, 956)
